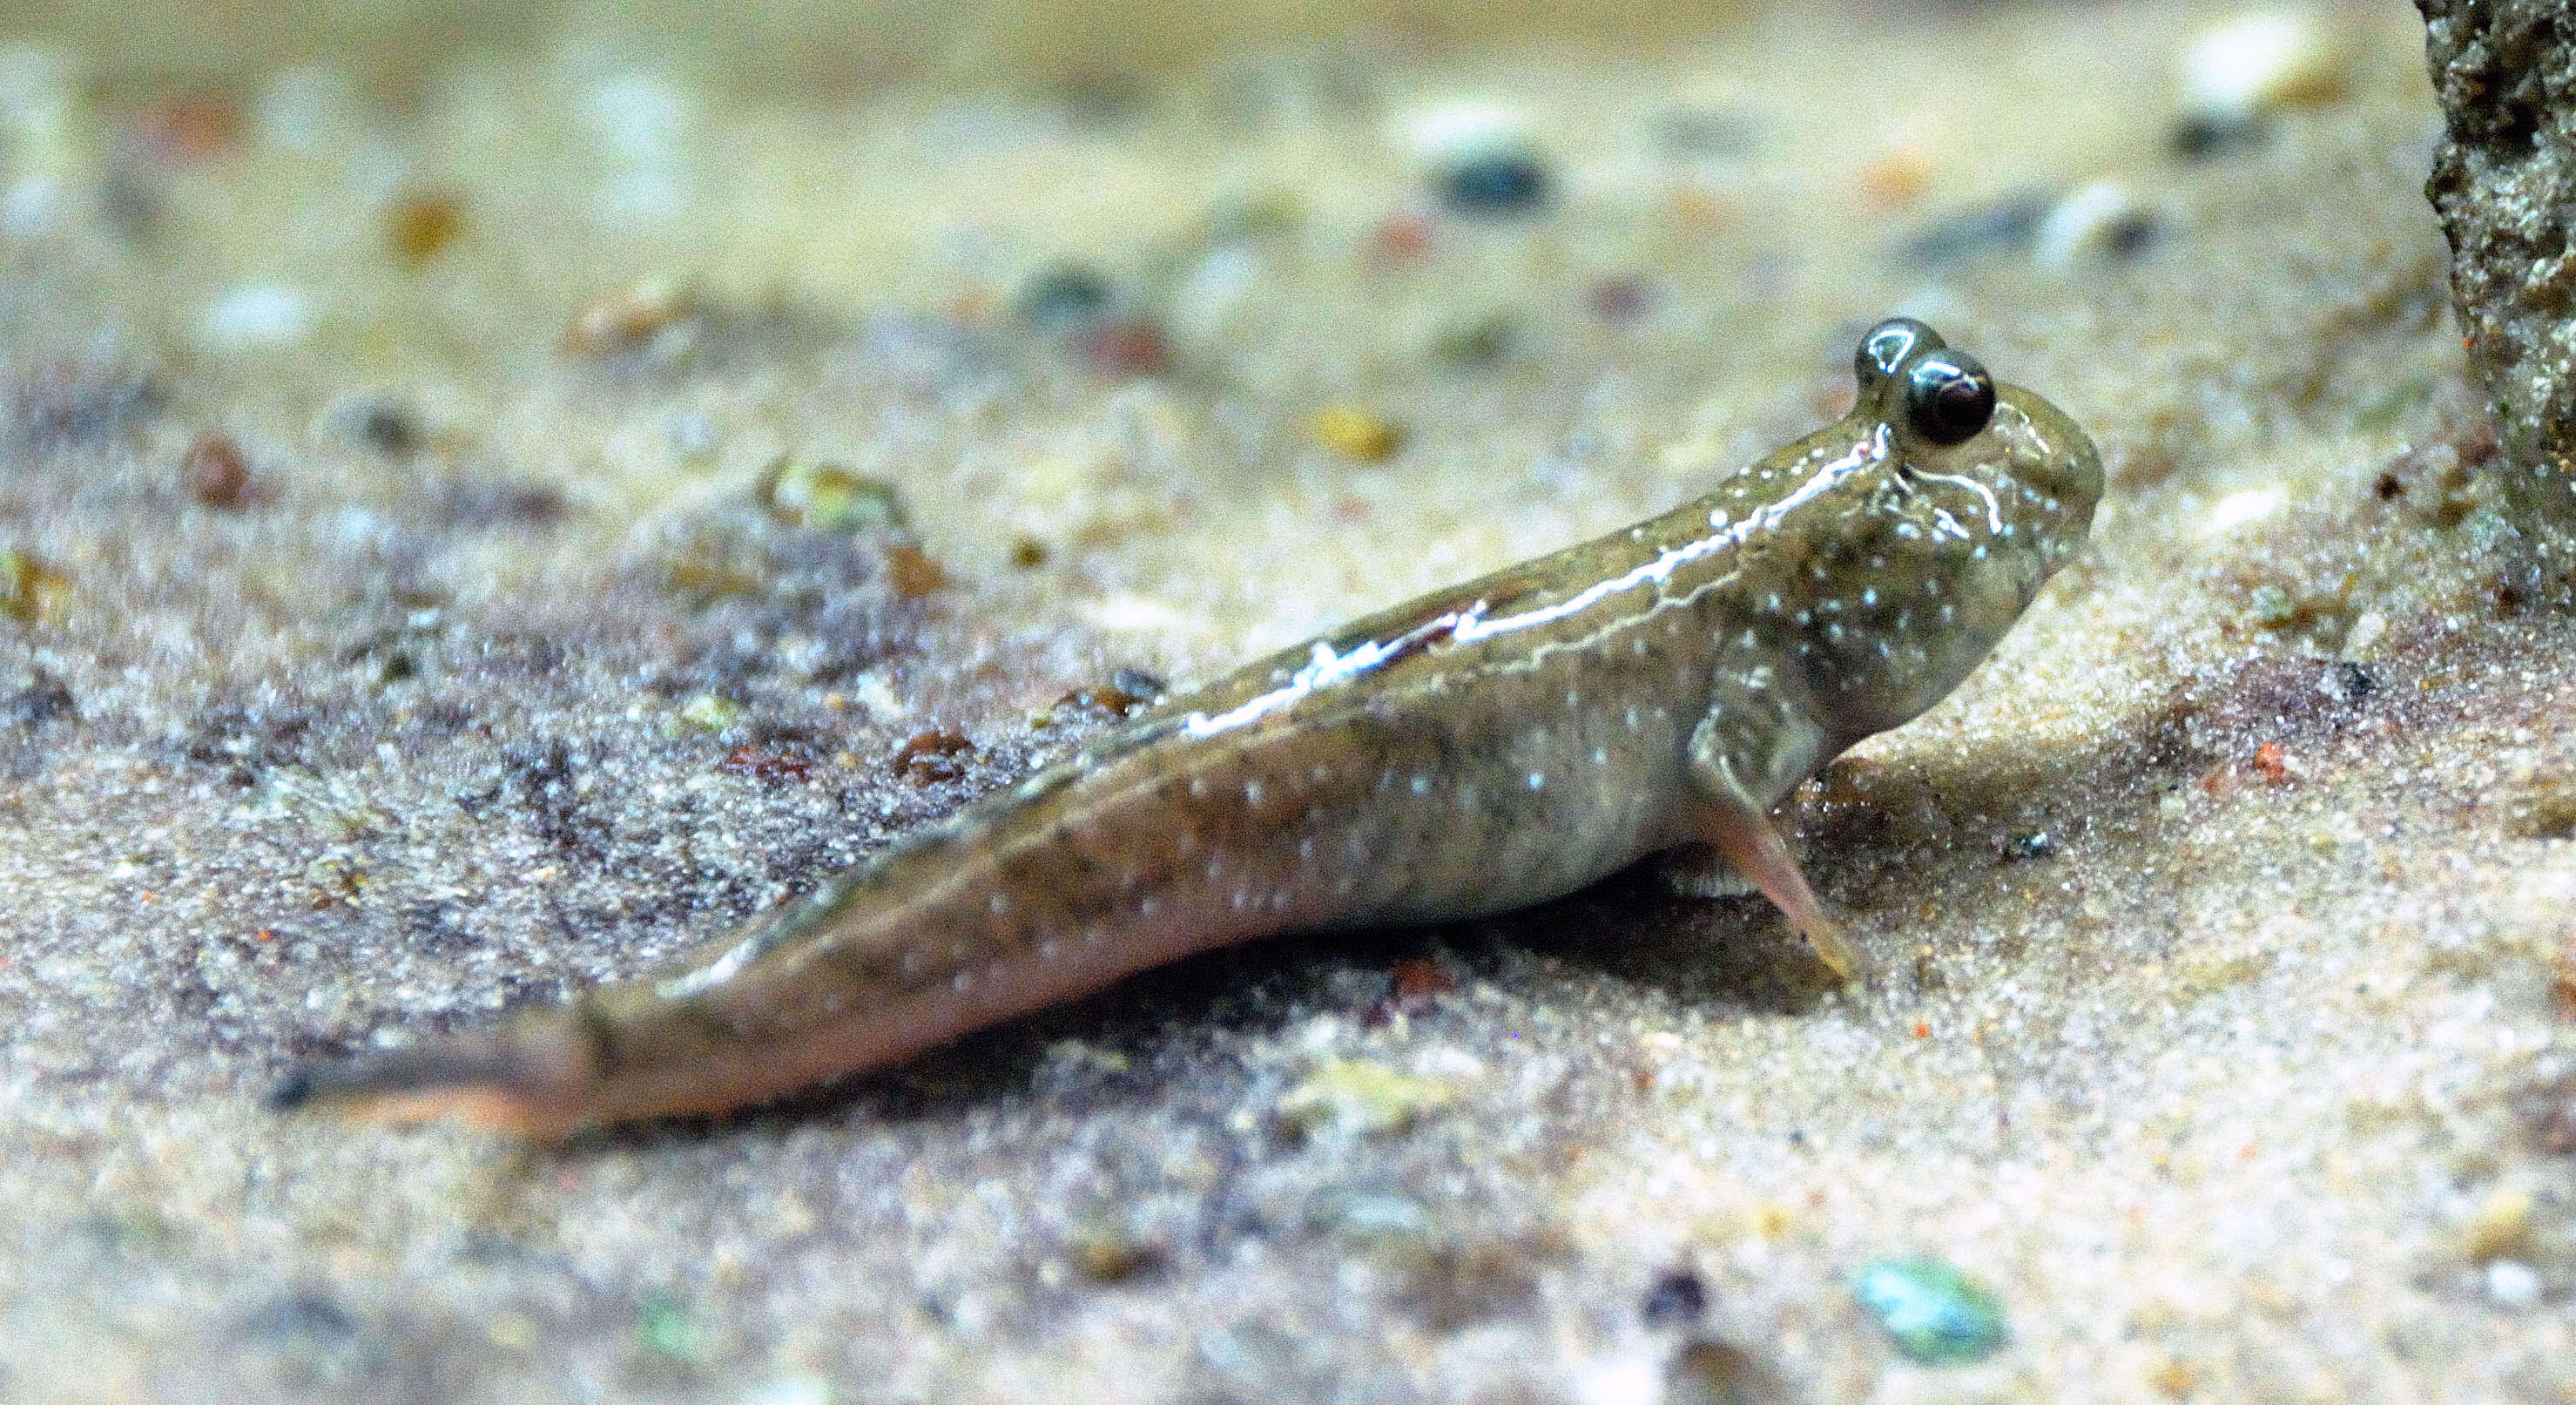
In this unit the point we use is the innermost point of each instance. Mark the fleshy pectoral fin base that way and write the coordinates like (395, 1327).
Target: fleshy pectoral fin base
(1751, 843)
(1758, 741)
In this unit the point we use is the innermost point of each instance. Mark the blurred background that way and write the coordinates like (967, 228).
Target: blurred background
(810, 45)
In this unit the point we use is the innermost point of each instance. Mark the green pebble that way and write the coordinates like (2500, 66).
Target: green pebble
(1477, 341)
(2273, 606)
(28, 589)
(829, 498)
(1938, 1315)
(709, 713)
(1348, 1097)
(664, 1329)
(1065, 298)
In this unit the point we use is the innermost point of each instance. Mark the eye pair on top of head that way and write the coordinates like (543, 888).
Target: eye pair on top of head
(1948, 397)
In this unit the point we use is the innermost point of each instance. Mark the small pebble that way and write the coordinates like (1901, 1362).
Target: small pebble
(1110, 1247)
(2260, 62)
(1415, 982)
(1937, 1315)
(2550, 1111)
(2241, 73)
(912, 571)
(1065, 298)
(2201, 138)
(29, 590)
(1209, 302)
(1126, 347)
(932, 756)
(1480, 159)
(214, 473)
(693, 434)
(2008, 222)
(1356, 434)
(262, 315)
(777, 767)
(1096, 704)
(1675, 1299)
(787, 1390)
(710, 712)
(1625, 1379)
(1495, 183)
(2024, 848)
(2513, 1285)
(624, 318)
(663, 1328)
(828, 497)
(1618, 299)
(1476, 341)
(380, 425)
(1136, 683)
(511, 1331)
(2173, 1378)
(2100, 220)
(1705, 132)
(1354, 1098)
(192, 128)
(1895, 180)
(2272, 607)
(419, 227)
(2237, 509)
(2501, 1228)
(1400, 240)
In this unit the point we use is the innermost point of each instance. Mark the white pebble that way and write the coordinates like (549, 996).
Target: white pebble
(788, 1390)
(1624, 1380)
(2260, 62)
(693, 434)
(2513, 1285)
(1125, 611)
(263, 314)
(2237, 509)
(44, 140)
(2093, 221)
(1455, 130)
(1215, 295)
(1450, 1061)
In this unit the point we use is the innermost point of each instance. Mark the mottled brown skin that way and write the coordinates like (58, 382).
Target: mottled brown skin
(1480, 749)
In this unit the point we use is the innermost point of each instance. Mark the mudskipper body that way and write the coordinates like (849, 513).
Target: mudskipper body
(1480, 749)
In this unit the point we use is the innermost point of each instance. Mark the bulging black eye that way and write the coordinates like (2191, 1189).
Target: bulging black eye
(1885, 347)
(1948, 397)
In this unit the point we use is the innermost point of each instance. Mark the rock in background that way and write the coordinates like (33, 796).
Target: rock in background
(2504, 180)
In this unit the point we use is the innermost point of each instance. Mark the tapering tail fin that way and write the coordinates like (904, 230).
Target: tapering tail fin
(527, 1078)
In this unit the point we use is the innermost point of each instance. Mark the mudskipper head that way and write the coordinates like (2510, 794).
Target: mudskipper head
(1973, 494)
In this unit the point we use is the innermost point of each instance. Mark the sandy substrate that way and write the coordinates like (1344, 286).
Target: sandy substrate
(2226, 1014)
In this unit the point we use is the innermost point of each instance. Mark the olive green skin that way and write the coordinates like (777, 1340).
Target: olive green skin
(1476, 750)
